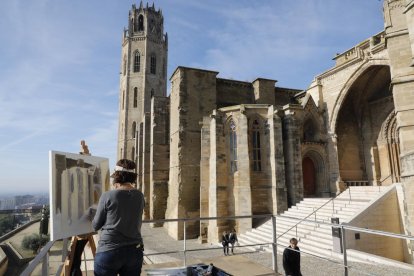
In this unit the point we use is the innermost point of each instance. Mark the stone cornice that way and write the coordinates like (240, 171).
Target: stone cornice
(356, 54)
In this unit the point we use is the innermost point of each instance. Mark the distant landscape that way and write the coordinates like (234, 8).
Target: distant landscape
(23, 201)
(10, 219)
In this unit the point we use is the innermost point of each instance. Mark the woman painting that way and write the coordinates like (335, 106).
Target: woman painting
(119, 218)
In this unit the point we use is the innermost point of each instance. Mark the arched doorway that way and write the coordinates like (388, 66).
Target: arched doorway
(309, 177)
(362, 115)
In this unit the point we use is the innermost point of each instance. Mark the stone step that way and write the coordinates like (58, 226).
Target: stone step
(321, 212)
(314, 238)
(269, 233)
(322, 240)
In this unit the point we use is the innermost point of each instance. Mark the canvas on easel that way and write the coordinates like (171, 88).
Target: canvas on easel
(76, 184)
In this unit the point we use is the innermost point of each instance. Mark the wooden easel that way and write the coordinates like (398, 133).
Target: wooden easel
(75, 242)
(73, 246)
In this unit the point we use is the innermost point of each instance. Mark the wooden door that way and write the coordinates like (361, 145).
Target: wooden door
(309, 177)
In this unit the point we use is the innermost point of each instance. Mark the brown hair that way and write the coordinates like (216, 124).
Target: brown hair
(123, 177)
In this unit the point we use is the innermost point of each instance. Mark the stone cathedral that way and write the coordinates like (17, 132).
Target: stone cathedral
(217, 147)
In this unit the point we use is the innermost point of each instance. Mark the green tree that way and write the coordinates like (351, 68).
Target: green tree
(34, 242)
(6, 224)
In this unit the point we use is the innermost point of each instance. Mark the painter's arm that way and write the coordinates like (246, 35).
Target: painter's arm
(100, 216)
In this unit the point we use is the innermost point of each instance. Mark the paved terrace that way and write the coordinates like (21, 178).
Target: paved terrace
(245, 262)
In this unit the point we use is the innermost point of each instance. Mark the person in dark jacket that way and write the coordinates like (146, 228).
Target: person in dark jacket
(291, 259)
(233, 239)
(225, 242)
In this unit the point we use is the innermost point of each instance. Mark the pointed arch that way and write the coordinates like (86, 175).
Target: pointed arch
(346, 88)
(135, 96)
(140, 23)
(134, 129)
(137, 61)
(256, 127)
(314, 171)
(153, 64)
(231, 128)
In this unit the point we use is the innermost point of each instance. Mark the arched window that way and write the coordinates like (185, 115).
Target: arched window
(152, 92)
(133, 25)
(140, 23)
(153, 65)
(133, 154)
(135, 97)
(123, 99)
(134, 129)
(137, 62)
(256, 158)
(233, 146)
(124, 66)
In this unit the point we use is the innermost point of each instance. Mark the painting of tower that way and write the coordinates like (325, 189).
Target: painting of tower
(76, 183)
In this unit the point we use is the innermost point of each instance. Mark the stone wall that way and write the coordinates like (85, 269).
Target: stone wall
(193, 96)
(383, 215)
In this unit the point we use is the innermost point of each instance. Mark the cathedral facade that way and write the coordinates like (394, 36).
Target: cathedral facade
(216, 147)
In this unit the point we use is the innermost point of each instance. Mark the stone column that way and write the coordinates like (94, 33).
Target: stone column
(242, 191)
(159, 158)
(146, 164)
(277, 161)
(293, 157)
(213, 232)
(205, 177)
(399, 14)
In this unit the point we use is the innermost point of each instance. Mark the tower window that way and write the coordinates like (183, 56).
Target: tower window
(233, 146)
(140, 23)
(152, 92)
(137, 62)
(257, 158)
(153, 66)
(134, 129)
(135, 97)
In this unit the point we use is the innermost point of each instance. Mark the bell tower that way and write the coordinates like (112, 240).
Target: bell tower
(143, 75)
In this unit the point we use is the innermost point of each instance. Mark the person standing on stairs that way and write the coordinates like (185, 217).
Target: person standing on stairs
(291, 259)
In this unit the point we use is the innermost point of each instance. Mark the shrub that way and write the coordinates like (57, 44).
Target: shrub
(34, 242)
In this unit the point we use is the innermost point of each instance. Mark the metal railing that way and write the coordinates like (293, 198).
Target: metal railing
(315, 211)
(43, 256)
(350, 183)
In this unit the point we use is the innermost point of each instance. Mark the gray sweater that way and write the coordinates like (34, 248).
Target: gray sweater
(119, 217)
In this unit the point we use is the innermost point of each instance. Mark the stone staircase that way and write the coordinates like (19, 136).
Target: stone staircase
(314, 238)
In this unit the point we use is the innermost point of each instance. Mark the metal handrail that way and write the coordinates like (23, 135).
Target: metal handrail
(382, 180)
(43, 256)
(314, 212)
(39, 257)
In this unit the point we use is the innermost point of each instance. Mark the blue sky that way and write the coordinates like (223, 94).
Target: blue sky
(60, 63)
